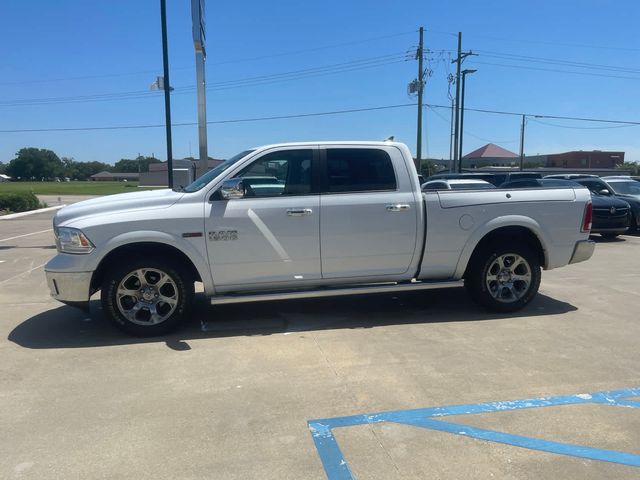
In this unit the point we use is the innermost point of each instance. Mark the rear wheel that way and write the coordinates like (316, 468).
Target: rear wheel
(147, 297)
(503, 278)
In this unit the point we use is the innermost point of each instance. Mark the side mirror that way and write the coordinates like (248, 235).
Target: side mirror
(604, 191)
(232, 188)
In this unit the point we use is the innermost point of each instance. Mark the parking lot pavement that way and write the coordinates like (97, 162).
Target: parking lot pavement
(230, 395)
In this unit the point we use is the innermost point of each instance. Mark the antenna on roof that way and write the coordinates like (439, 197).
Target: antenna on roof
(389, 139)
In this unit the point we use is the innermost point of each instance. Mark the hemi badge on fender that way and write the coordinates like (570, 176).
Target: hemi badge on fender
(191, 234)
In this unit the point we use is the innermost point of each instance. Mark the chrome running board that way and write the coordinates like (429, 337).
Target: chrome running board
(332, 291)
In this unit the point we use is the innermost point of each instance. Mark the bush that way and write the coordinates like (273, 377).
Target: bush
(18, 202)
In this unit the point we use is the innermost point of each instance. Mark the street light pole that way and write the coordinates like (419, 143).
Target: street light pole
(524, 119)
(464, 76)
(167, 90)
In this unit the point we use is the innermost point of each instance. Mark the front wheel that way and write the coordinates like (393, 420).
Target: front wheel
(503, 278)
(146, 297)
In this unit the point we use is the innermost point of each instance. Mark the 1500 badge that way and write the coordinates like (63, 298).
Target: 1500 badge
(223, 235)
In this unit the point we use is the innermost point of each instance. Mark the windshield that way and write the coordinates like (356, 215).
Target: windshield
(630, 187)
(213, 173)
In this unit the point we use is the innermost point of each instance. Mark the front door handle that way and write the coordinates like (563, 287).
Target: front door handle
(299, 212)
(398, 207)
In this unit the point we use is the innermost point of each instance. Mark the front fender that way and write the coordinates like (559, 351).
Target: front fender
(151, 236)
(493, 224)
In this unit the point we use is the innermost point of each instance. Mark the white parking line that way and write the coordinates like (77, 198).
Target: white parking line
(21, 274)
(26, 235)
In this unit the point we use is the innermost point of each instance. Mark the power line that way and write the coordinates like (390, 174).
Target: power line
(318, 114)
(315, 49)
(542, 42)
(223, 62)
(556, 61)
(361, 64)
(431, 107)
(572, 127)
(555, 70)
(213, 122)
(535, 115)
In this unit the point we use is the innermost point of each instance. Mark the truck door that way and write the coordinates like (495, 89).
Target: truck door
(368, 214)
(271, 236)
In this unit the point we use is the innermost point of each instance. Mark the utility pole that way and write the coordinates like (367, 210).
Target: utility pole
(451, 139)
(458, 62)
(419, 55)
(464, 77)
(522, 142)
(198, 32)
(167, 90)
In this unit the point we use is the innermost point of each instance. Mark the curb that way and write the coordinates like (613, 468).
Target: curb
(30, 212)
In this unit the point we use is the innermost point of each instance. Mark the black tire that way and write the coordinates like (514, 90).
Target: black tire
(609, 236)
(133, 314)
(508, 292)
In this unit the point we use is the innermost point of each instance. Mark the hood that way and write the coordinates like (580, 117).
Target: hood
(117, 203)
(633, 200)
(602, 201)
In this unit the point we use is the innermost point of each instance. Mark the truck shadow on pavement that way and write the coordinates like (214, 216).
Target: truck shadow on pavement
(67, 327)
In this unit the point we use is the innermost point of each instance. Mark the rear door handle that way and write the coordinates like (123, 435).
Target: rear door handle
(398, 207)
(299, 212)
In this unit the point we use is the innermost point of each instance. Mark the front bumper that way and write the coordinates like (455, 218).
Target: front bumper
(583, 251)
(69, 287)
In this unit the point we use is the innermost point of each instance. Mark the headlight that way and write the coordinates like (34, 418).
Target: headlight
(72, 240)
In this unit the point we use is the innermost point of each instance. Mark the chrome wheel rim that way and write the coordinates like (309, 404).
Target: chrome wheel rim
(147, 296)
(508, 278)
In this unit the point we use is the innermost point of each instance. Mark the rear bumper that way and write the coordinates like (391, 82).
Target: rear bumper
(583, 251)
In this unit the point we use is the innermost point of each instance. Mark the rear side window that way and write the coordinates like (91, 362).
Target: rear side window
(359, 170)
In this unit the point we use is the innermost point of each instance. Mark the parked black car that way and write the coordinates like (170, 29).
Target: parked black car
(601, 187)
(495, 177)
(611, 215)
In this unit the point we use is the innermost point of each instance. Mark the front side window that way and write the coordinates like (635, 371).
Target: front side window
(211, 174)
(594, 186)
(630, 187)
(287, 172)
(359, 170)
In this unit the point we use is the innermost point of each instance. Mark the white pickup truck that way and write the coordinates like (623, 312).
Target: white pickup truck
(314, 219)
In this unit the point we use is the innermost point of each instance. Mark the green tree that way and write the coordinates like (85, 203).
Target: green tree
(3, 167)
(428, 168)
(633, 167)
(83, 170)
(139, 164)
(35, 163)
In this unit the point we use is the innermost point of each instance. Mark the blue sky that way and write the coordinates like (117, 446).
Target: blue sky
(69, 49)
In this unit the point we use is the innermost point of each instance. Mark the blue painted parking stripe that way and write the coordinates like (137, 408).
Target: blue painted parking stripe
(337, 468)
(528, 442)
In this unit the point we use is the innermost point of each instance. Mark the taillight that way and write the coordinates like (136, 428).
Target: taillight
(588, 217)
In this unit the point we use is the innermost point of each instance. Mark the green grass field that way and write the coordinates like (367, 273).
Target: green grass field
(70, 188)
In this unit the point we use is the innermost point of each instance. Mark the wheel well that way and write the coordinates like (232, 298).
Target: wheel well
(143, 249)
(515, 234)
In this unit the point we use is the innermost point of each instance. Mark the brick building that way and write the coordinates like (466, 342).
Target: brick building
(584, 159)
